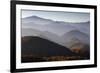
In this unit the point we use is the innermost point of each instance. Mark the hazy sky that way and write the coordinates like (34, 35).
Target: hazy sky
(58, 15)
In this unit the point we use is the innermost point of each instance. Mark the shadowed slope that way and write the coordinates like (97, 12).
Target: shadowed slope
(42, 47)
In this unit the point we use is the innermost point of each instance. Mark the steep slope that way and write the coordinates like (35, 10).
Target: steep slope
(42, 47)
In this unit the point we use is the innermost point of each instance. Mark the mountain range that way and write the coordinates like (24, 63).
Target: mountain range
(45, 39)
(60, 32)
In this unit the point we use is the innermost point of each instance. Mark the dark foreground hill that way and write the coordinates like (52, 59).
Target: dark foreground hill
(37, 48)
(42, 47)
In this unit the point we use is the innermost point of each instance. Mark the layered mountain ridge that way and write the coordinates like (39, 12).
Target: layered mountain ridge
(56, 31)
(74, 37)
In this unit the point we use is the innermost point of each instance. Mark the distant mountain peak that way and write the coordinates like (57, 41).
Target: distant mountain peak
(32, 17)
(36, 20)
(36, 17)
